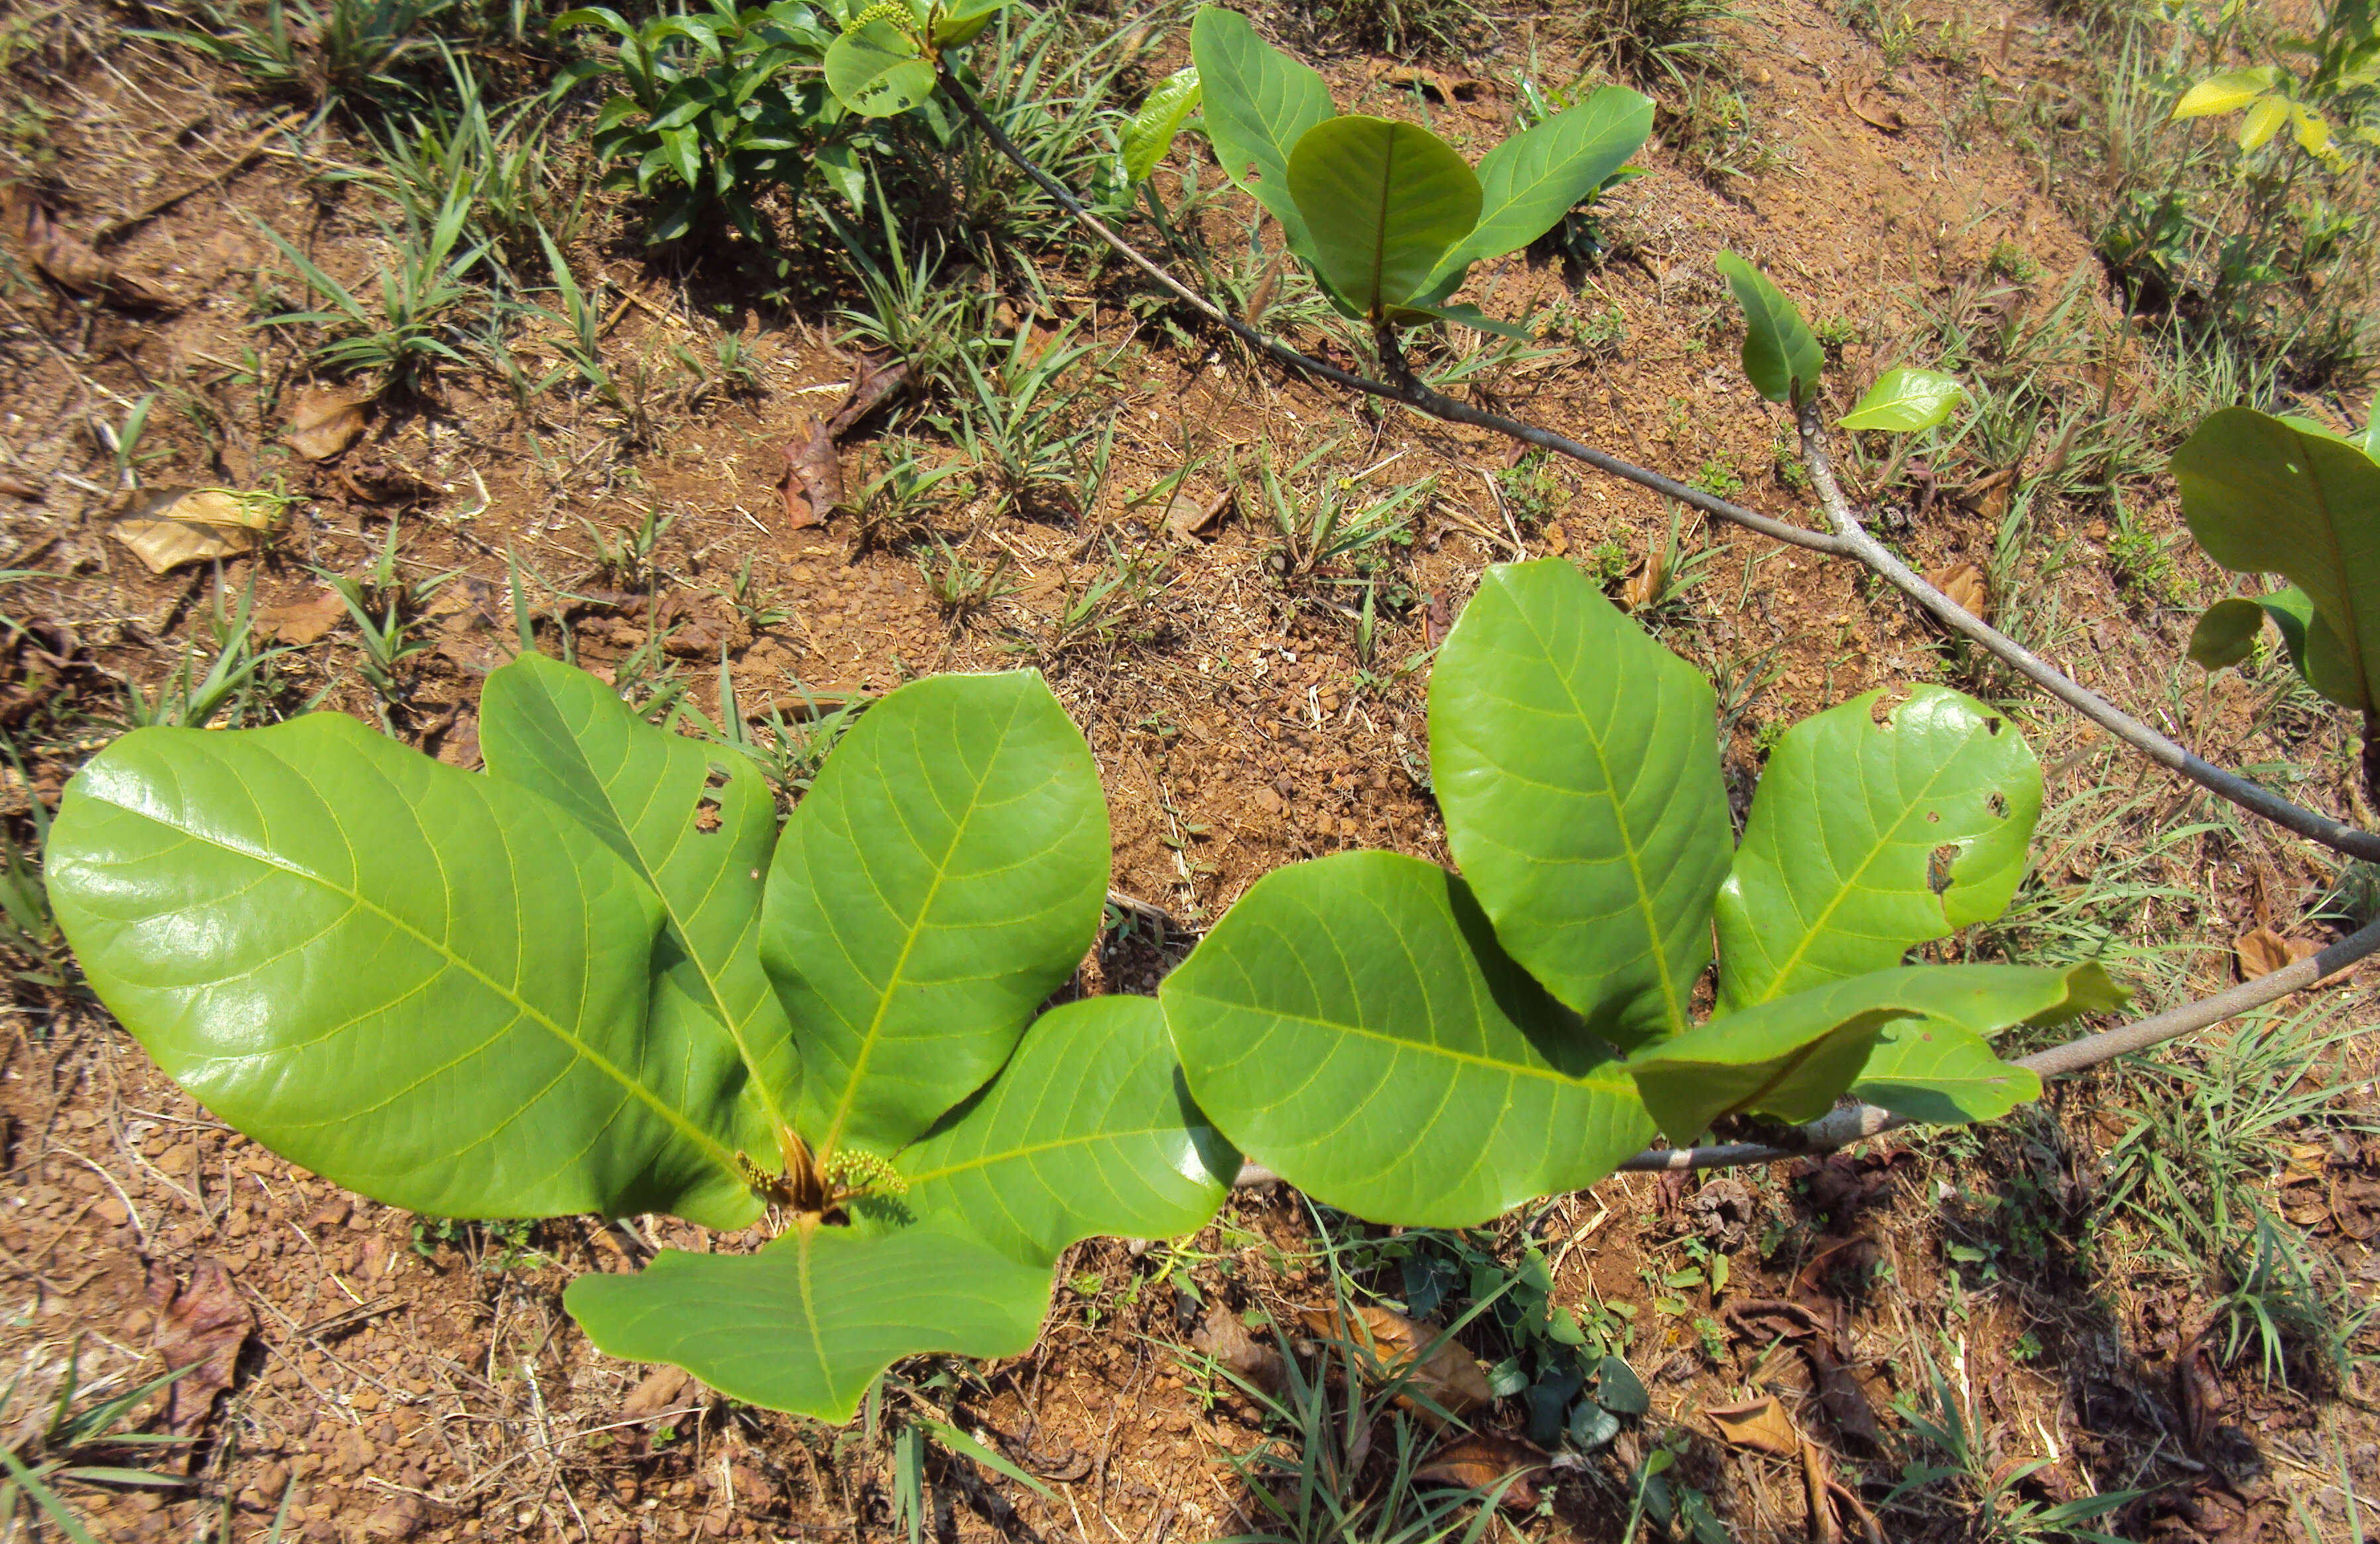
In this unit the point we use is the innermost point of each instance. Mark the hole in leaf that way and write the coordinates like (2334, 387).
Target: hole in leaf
(1994, 726)
(1998, 802)
(717, 778)
(706, 816)
(1938, 867)
(1933, 817)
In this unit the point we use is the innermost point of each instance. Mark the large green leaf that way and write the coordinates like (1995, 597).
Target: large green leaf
(2225, 633)
(1781, 356)
(1150, 134)
(424, 985)
(1868, 838)
(1905, 401)
(1383, 201)
(876, 71)
(944, 875)
(641, 790)
(1352, 1023)
(1791, 1057)
(1939, 1072)
(1088, 1130)
(805, 1324)
(1530, 180)
(1578, 773)
(1259, 104)
(2263, 496)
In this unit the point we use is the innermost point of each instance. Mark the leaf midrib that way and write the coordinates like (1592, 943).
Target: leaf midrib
(2353, 635)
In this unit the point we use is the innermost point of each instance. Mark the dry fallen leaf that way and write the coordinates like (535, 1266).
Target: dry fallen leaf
(1841, 1397)
(1964, 584)
(1645, 587)
(1448, 1377)
(2263, 951)
(68, 262)
(1478, 1461)
(301, 622)
(1873, 110)
(324, 421)
(874, 382)
(203, 1324)
(1989, 495)
(1223, 1337)
(1187, 516)
(659, 1390)
(813, 481)
(1760, 1424)
(174, 525)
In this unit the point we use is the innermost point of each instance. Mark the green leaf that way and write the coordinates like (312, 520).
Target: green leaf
(2262, 496)
(424, 985)
(960, 21)
(1579, 777)
(1868, 838)
(1937, 1071)
(877, 72)
(1904, 402)
(1781, 356)
(1618, 1390)
(1150, 134)
(560, 733)
(1791, 1057)
(959, 1442)
(2225, 633)
(807, 1323)
(1088, 1130)
(2226, 92)
(1469, 316)
(1352, 1024)
(1529, 181)
(944, 875)
(1382, 201)
(1259, 104)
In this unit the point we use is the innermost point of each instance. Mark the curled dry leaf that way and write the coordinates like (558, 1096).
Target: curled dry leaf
(1225, 1339)
(324, 421)
(1989, 495)
(172, 526)
(1841, 1396)
(1965, 585)
(1187, 516)
(203, 1324)
(813, 481)
(1480, 1461)
(300, 622)
(2198, 1392)
(1645, 586)
(1759, 1424)
(66, 262)
(876, 380)
(1874, 109)
(1447, 1376)
(2263, 951)
(655, 1393)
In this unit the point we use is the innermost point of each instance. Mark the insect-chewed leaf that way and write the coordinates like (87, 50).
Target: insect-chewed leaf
(1383, 201)
(1150, 134)
(1576, 768)
(1904, 401)
(560, 733)
(1781, 356)
(1530, 180)
(1088, 1130)
(945, 873)
(805, 1324)
(1867, 838)
(876, 71)
(1259, 104)
(421, 984)
(2266, 496)
(1791, 1057)
(1352, 1023)
(1937, 1072)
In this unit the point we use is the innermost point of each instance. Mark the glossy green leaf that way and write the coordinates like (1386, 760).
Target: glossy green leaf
(876, 71)
(1905, 401)
(1150, 134)
(1791, 1057)
(421, 984)
(1867, 839)
(805, 1324)
(958, 22)
(1579, 777)
(1088, 1130)
(560, 733)
(1382, 201)
(1934, 1071)
(1259, 104)
(2263, 496)
(1781, 356)
(1353, 1026)
(946, 872)
(2225, 633)
(1533, 178)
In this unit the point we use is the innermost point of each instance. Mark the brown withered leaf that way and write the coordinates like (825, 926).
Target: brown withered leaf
(66, 262)
(2199, 1391)
(876, 380)
(324, 421)
(1480, 1461)
(1645, 586)
(1990, 494)
(1759, 1424)
(1874, 109)
(1223, 1337)
(1448, 1377)
(300, 622)
(1187, 516)
(172, 526)
(655, 1393)
(201, 1325)
(1841, 1396)
(1965, 585)
(813, 481)
(1435, 84)
(2262, 951)
(1436, 620)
